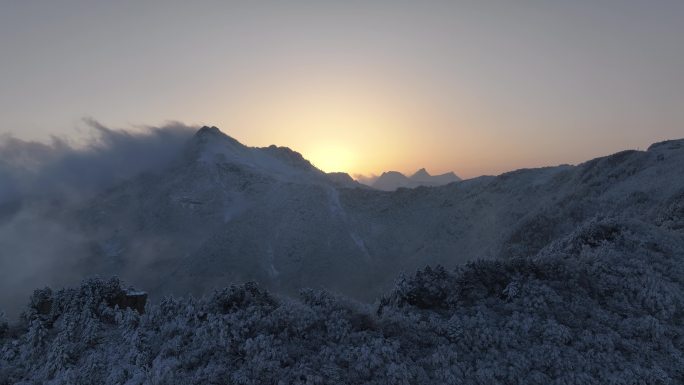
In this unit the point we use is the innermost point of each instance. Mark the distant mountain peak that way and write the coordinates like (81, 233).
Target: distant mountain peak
(421, 174)
(392, 180)
(206, 130)
(392, 173)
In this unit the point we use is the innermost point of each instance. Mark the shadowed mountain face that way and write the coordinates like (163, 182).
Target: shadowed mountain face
(229, 213)
(224, 213)
(392, 180)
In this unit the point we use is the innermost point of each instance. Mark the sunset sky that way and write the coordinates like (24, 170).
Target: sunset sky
(358, 86)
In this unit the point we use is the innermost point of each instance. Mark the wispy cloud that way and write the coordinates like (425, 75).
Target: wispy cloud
(366, 179)
(41, 181)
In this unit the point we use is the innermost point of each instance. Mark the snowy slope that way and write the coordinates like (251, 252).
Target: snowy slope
(228, 213)
(423, 178)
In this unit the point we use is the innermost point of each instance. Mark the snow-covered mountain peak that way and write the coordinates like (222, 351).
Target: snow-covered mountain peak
(208, 136)
(206, 131)
(210, 147)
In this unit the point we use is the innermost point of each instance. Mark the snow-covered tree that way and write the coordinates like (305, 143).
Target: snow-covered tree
(603, 305)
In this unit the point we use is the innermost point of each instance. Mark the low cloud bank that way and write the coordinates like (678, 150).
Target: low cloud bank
(368, 180)
(40, 182)
(60, 169)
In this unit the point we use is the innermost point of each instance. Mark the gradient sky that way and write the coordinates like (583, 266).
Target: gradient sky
(477, 87)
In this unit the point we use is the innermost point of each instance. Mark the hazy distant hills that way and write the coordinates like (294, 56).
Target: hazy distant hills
(227, 213)
(392, 180)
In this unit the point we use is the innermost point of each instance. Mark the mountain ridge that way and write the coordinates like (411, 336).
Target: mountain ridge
(308, 231)
(237, 213)
(392, 180)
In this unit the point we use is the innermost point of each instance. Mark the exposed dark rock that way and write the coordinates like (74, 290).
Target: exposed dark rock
(135, 300)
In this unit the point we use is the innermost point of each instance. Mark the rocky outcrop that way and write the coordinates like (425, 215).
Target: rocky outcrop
(132, 299)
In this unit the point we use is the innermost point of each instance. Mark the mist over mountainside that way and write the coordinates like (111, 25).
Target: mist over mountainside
(601, 305)
(568, 274)
(228, 213)
(188, 254)
(41, 184)
(221, 212)
(392, 180)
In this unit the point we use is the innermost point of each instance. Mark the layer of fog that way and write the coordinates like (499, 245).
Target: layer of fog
(367, 179)
(40, 182)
